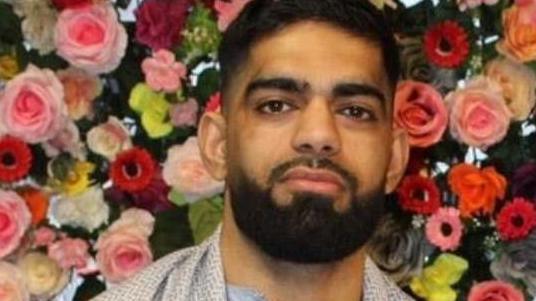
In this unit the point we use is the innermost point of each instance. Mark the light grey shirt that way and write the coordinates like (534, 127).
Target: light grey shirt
(196, 274)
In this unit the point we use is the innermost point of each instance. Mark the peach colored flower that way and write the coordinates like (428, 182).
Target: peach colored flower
(494, 290)
(162, 72)
(518, 84)
(228, 11)
(419, 109)
(91, 38)
(15, 218)
(477, 190)
(70, 252)
(519, 41)
(32, 107)
(527, 11)
(109, 138)
(12, 285)
(184, 114)
(479, 116)
(67, 140)
(123, 249)
(43, 236)
(43, 276)
(185, 172)
(81, 88)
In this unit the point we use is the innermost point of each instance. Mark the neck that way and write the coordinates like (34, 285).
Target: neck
(245, 265)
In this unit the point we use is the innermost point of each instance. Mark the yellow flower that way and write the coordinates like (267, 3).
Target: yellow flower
(154, 110)
(9, 66)
(436, 280)
(78, 179)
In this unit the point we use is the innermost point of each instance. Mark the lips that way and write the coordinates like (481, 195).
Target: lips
(306, 179)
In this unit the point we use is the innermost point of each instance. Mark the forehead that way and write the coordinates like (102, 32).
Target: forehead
(317, 53)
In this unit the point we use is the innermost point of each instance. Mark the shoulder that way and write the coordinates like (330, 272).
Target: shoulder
(377, 286)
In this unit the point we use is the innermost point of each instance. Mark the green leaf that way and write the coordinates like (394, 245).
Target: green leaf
(209, 83)
(171, 232)
(177, 198)
(204, 217)
(90, 288)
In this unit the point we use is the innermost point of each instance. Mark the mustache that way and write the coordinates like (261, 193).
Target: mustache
(314, 163)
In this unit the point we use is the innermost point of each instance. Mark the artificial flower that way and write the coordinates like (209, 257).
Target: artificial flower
(380, 4)
(87, 210)
(444, 229)
(419, 109)
(419, 195)
(81, 88)
(214, 103)
(66, 140)
(186, 173)
(32, 106)
(154, 110)
(109, 138)
(9, 67)
(38, 23)
(446, 44)
(63, 4)
(201, 35)
(133, 169)
(524, 181)
(228, 11)
(15, 159)
(184, 114)
(43, 276)
(69, 253)
(43, 236)
(494, 291)
(123, 249)
(518, 83)
(37, 201)
(16, 219)
(159, 22)
(477, 190)
(519, 41)
(463, 5)
(479, 116)
(163, 72)
(527, 11)
(436, 280)
(12, 284)
(516, 219)
(78, 178)
(91, 38)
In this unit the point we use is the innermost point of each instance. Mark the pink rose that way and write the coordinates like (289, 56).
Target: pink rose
(43, 236)
(228, 11)
(162, 72)
(419, 109)
(528, 13)
(184, 114)
(91, 38)
(81, 88)
(185, 172)
(69, 252)
(12, 285)
(159, 23)
(32, 107)
(479, 116)
(15, 218)
(494, 291)
(123, 249)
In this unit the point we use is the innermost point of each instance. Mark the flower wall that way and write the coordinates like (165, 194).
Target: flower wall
(100, 174)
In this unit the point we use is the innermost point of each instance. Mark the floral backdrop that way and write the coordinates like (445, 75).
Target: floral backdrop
(100, 174)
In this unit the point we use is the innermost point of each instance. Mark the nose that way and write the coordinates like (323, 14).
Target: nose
(316, 133)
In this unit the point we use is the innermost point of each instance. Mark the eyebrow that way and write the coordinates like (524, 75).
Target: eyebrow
(355, 89)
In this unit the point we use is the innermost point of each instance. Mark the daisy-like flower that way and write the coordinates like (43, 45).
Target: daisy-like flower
(444, 229)
(516, 219)
(419, 195)
(15, 159)
(446, 44)
(133, 169)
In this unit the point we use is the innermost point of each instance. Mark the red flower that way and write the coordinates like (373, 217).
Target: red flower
(15, 159)
(419, 194)
(62, 4)
(446, 44)
(516, 219)
(133, 169)
(214, 103)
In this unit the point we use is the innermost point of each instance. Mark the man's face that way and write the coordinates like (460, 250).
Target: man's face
(309, 142)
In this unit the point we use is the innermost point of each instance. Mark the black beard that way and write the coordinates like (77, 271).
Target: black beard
(309, 229)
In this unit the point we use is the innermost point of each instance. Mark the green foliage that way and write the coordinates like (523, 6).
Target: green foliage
(204, 217)
(171, 232)
(89, 289)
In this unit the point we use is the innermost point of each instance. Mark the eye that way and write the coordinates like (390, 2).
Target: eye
(358, 113)
(274, 107)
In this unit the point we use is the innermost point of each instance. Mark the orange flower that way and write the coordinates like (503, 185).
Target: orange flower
(37, 202)
(519, 41)
(477, 190)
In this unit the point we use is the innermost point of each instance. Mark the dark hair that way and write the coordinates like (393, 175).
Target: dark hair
(261, 18)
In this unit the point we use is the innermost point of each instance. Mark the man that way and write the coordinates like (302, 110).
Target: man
(306, 146)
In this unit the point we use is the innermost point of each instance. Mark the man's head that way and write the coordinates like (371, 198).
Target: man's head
(306, 142)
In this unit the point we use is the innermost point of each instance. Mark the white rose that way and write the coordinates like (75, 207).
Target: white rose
(87, 210)
(109, 138)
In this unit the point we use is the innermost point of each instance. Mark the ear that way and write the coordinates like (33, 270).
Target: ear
(211, 135)
(399, 159)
